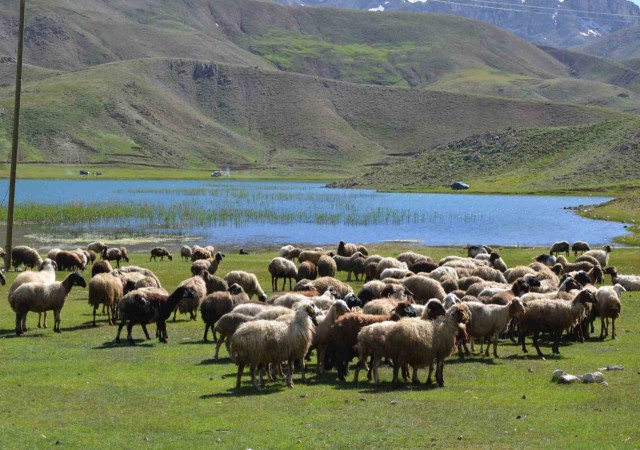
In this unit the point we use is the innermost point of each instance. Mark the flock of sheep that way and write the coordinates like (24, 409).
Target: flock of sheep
(412, 311)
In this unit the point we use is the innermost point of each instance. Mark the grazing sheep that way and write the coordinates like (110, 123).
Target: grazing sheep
(629, 282)
(589, 259)
(327, 266)
(47, 274)
(312, 256)
(25, 255)
(343, 335)
(280, 267)
(147, 305)
(265, 342)
(371, 344)
(40, 297)
(185, 253)
(97, 247)
(226, 327)
(518, 288)
(211, 265)
(608, 306)
(141, 270)
(601, 255)
(489, 321)
(395, 273)
(84, 256)
(216, 284)
(106, 289)
(248, 281)
(421, 343)
(284, 250)
(217, 304)
(423, 288)
(101, 266)
(92, 256)
(160, 252)
(114, 254)
(552, 316)
(570, 267)
(198, 252)
(52, 253)
(411, 258)
(67, 260)
(371, 290)
(350, 264)
(198, 287)
(307, 271)
(323, 284)
(345, 249)
(559, 247)
(579, 246)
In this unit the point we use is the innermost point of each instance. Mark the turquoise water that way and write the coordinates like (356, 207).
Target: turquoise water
(242, 213)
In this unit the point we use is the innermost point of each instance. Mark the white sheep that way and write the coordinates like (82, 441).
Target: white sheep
(264, 342)
(106, 289)
(197, 286)
(609, 307)
(389, 263)
(47, 274)
(185, 253)
(423, 289)
(488, 321)
(41, 297)
(629, 282)
(280, 267)
(248, 281)
(601, 255)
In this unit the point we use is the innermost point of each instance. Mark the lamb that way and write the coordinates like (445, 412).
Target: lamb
(559, 247)
(327, 266)
(423, 288)
(185, 253)
(343, 335)
(106, 289)
(101, 266)
(28, 256)
(488, 321)
(67, 260)
(47, 274)
(144, 306)
(97, 247)
(307, 271)
(324, 283)
(629, 282)
(161, 252)
(211, 265)
(579, 246)
(608, 306)
(420, 343)
(226, 327)
(215, 305)
(248, 281)
(266, 342)
(601, 255)
(198, 287)
(40, 297)
(114, 254)
(552, 316)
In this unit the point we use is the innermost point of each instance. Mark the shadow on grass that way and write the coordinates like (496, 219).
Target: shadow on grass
(84, 326)
(191, 342)
(473, 358)
(124, 343)
(211, 361)
(246, 390)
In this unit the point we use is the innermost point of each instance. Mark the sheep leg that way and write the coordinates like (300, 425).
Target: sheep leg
(194, 314)
(109, 316)
(290, 373)
(129, 337)
(56, 323)
(146, 333)
(302, 368)
(284, 283)
(396, 369)
(164, 336)
(556, 342)
(95, 309)
(254, 382)
(370, 369)
(536, 334)
(429, 382)
(524, 345)
(175, 311)
(613, 328)
(356, 373)
(206, 331)
(603, 328)
(414, 376)
(18, 324)
(218, 345)
(440, 373)
(349, 276)
(375, 364)
(274, 283)
(119, 330)
(239, 376)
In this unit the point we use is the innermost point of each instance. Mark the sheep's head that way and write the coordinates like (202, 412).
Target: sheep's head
(557, 269)
(219, 256)
(611, 270)
(607, 248)
(333, 292)
(585, 296)
(310, 310)
(263, 298)
(77, 280)
(460, 313)
(352, 301)
(434, 309)
(597, 275)
(3, 280)
(449, 301)
(618, 288)
(404, 309)
(583, 278)
(516, 307)
(235, 289)
(341, 307)
(493, 257)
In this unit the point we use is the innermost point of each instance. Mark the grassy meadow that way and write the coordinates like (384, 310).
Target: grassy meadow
(83, 391)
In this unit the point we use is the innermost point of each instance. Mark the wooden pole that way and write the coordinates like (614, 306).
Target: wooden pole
(14, 143)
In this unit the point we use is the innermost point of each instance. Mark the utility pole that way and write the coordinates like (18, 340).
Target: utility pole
(14, 143)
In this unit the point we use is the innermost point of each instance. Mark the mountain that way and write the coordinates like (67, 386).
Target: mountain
(559, 23)
(623, 44)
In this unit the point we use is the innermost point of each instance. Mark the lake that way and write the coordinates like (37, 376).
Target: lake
(253, 214)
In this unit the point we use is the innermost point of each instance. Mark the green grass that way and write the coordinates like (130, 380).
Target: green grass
(81, 389)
